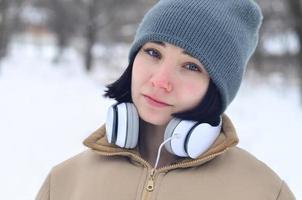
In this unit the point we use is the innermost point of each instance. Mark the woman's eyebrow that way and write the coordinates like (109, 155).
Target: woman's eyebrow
(159, 43)
(186, 53)
(164, 45)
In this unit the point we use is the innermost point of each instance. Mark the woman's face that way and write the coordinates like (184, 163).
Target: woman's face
(166, 80)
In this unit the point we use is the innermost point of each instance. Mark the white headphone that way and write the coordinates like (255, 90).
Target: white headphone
(193, 138)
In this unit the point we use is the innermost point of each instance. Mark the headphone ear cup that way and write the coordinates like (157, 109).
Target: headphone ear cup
(111, 123)
(178, 144)
(200, 138)
(122, 125)
(169, 132)
(121, 130)
(193, 138)
(132, 126)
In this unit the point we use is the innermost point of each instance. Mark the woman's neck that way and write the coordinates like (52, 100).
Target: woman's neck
(150, 138)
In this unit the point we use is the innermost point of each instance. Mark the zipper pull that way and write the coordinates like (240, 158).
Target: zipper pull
(150, 184)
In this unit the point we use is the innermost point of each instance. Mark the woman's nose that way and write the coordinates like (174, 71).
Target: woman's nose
(162, 79)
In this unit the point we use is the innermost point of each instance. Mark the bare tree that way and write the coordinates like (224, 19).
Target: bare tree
(276, 22)
(296, 10)
(3, 27)
(92, 21)
(63, 21)
(91, 31)
(99, 15)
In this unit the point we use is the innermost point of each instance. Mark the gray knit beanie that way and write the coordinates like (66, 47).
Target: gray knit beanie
(221, 34)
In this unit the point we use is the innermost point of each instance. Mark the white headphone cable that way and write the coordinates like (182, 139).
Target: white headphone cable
(161, 145)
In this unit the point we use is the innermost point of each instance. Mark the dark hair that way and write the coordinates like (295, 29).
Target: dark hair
(120, 90)
(208, 111)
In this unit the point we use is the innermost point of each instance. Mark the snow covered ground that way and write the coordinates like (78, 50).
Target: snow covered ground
(46, 111)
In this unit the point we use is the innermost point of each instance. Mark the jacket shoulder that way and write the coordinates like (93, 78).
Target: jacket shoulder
(87, 160)
(61, 176)
(87, 175)
(246, 171)
(247, 164)
(72, 168)
(78, 160)
(258, 173)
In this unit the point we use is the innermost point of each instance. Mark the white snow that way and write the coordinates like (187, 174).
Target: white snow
(282, 43)
(47, 110)
(33, 15)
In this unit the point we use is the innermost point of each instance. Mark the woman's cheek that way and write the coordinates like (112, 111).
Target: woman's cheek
(193, 94)
(193, 89)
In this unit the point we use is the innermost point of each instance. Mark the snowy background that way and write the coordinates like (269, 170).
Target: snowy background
(47, 110)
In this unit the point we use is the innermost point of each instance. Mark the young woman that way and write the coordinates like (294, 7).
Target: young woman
(167, 136)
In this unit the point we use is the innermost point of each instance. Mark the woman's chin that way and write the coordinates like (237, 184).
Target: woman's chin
(156, 120)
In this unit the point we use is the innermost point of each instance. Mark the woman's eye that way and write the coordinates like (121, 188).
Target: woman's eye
(152, 52)
(193, 67)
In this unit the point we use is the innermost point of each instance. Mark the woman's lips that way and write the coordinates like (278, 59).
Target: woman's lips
(154, 102)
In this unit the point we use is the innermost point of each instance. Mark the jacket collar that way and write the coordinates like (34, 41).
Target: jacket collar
(97, 141)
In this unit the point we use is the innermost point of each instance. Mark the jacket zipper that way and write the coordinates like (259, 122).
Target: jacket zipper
(152, 173)
(178, 165)
(150, 183)
(151, 177)
(149, 186)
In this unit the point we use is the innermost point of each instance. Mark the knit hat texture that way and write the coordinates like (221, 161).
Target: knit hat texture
(221, 34)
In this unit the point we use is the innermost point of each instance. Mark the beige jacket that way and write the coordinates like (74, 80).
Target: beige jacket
(106, 172)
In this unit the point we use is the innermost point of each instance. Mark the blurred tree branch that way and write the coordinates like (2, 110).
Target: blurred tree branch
(296, 10)
(100, 15)
(64, 23)
(3, 27)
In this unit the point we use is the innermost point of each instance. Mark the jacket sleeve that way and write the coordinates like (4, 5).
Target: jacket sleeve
(285, 193)
(44, 192)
